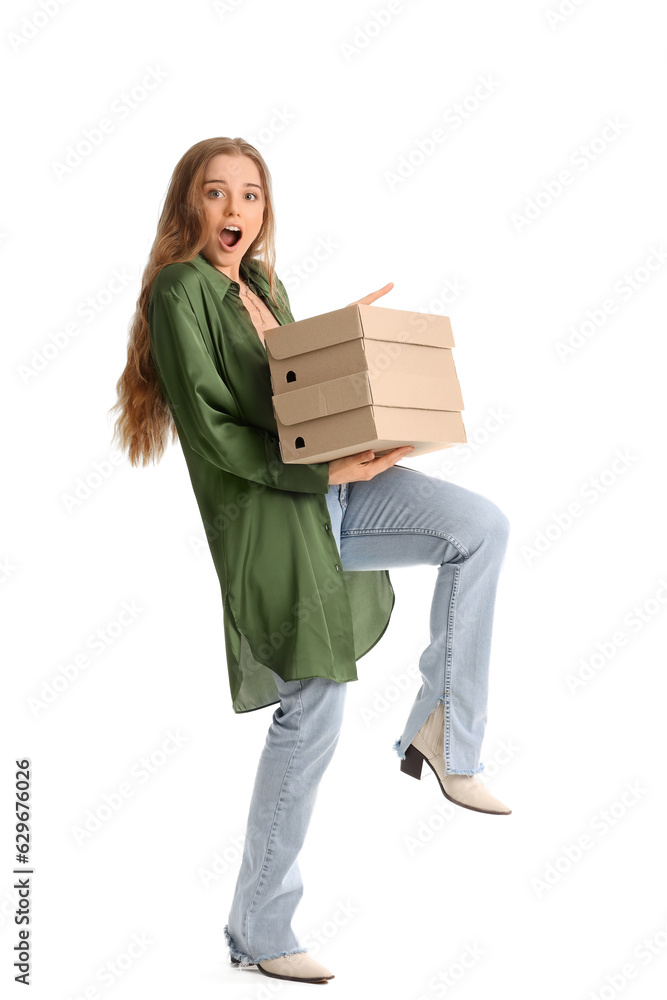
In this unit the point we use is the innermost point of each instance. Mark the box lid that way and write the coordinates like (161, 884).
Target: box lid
(357, 321)
(361, 389)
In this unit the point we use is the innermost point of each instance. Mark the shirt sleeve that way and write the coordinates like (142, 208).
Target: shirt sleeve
(203, 406)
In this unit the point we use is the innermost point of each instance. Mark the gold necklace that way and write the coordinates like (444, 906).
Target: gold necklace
(259, 312)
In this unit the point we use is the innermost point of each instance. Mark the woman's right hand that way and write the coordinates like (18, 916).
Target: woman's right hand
(363, 465)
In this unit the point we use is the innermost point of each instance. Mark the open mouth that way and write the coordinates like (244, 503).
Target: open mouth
(229, 236)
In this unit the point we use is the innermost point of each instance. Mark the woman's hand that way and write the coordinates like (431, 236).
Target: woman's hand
(363, 465)
(368, 299)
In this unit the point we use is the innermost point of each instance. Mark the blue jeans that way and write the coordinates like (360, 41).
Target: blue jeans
(401, 517)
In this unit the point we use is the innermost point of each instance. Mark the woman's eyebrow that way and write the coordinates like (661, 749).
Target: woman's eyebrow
(247, 184)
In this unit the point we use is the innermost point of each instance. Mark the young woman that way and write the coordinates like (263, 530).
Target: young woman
(302, 551)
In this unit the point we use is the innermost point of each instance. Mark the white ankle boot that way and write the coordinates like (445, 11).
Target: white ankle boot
(463, 789)
(300, 967)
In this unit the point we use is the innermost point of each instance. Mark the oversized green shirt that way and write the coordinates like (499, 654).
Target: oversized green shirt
(288, 604)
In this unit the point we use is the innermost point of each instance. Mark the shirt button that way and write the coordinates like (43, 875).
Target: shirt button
(337, 568)
(326, 527)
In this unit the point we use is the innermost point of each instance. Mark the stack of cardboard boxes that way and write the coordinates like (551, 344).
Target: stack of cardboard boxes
(364, 378)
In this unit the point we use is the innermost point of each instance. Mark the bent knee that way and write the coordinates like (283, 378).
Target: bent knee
(497, 524)
(492, 524)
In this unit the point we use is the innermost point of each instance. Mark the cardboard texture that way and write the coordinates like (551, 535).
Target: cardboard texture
(363, 378)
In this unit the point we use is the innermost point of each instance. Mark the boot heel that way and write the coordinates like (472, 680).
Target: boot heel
(413, 762)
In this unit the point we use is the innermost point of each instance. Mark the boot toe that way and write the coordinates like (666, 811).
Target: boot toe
(467, 791)
(300, 965)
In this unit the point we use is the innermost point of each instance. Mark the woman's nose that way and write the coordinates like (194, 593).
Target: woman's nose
(233, 205)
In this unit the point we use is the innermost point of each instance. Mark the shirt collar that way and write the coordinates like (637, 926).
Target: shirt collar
(221, 282)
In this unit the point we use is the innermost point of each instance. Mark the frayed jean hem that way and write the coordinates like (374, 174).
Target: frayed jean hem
(470, 773)
(239, 956)
(280, 954)
(396, 746)
(243, 959)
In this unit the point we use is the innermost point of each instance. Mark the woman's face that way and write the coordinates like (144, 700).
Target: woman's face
(233, 196)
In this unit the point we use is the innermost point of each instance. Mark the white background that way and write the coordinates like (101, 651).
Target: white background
(398, 885)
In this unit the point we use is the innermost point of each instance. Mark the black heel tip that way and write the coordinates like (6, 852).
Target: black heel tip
(412, 763)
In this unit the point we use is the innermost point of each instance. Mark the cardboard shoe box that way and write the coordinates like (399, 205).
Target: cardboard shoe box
(363, 378)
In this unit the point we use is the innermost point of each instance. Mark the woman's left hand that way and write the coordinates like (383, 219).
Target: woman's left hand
(368, 299)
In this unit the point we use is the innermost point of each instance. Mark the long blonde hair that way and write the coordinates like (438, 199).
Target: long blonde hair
(144, 422)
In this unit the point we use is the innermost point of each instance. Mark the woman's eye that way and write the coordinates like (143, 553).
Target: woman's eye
(218, 191)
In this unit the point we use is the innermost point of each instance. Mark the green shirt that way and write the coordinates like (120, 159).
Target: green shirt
(288, 604)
